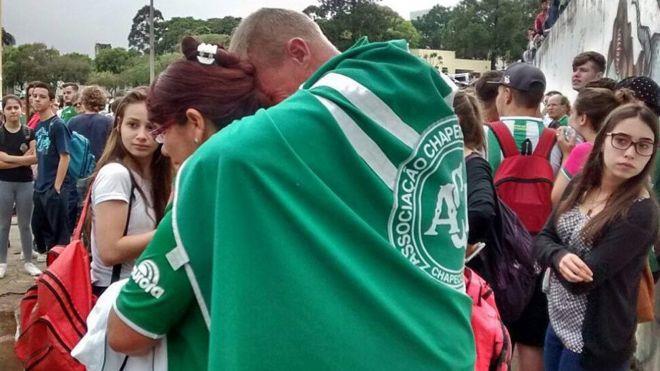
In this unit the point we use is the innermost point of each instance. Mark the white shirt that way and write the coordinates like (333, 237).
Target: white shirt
(113, 183)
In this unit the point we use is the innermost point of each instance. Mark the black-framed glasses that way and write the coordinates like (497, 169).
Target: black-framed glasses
(643, 147)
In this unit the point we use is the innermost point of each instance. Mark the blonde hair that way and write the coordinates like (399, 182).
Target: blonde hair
(263, 34)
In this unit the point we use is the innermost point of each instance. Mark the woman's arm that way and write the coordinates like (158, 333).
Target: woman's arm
(110, 222)
(7, 165)
(481, 199)
(124, 339)
(561, 181)
(550, 252)
(623, 241)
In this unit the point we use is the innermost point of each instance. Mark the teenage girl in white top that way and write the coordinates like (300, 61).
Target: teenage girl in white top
(131, 172)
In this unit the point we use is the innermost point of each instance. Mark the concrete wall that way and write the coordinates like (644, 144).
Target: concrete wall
(626, 32)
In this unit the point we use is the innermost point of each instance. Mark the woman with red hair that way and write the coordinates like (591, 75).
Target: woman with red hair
(189, 102)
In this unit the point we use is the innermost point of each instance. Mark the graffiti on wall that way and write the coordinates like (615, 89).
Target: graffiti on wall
(627, 27)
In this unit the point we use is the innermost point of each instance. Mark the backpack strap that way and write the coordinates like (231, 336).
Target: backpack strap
(545, 144)
(116, 269)
(504, 138)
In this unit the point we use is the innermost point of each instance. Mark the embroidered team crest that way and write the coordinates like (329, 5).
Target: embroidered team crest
(428, 223)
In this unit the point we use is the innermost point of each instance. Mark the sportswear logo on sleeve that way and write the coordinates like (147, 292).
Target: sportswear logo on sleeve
(147, 275)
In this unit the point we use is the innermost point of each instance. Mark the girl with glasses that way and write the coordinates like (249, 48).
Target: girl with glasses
(591, 107)
(596, 244)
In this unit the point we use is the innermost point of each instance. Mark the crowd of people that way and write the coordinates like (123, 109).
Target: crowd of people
(331, 220)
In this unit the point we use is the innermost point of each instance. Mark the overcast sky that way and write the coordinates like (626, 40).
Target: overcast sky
(76, 25)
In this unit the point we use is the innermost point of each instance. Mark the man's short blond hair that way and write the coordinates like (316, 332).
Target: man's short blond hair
(264, 33)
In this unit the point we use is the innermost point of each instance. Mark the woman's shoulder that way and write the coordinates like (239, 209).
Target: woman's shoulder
(643, 211)
(112, 174)
(114, 169)
(476, 162)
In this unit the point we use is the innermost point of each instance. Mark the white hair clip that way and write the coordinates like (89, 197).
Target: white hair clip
(206, 53)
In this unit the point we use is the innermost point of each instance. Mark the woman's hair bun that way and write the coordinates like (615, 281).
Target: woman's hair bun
(189, 48)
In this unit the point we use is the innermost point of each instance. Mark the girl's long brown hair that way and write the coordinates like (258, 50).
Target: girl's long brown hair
(590, 179)
(161, 167)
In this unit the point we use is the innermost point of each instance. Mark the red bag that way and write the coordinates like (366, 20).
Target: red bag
(491, 337)
(54, 310)
(524, 182)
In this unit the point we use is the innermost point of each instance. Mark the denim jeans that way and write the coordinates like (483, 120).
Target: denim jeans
(557, 358)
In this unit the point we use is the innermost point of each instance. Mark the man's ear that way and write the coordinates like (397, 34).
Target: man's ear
(298, 50)
(599, 75)
(508, 95)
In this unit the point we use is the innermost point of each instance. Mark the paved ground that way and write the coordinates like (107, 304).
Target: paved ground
(12, 288)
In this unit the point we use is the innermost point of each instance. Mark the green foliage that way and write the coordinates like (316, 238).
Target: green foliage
(138, 73)
(71, 67)
(111, 81)
(484, 29)
(138, 38)
(213, 38)
(28, 62)
(115, 60)
(177, 28)
(223, 26)
(431, 27)
(489, 29)
(344, 22)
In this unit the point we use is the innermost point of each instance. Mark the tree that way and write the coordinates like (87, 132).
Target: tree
(138, 38)
(28, 62)
(489, 29)
(111, 81)
(7, 38)
(344, 22)
(115, 60)
(177, 28)
(223, 26)
(431, 26)
(138, 73)
(214, 39)
(73, 67)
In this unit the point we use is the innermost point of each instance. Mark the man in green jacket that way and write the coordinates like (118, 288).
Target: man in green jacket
(326, 232)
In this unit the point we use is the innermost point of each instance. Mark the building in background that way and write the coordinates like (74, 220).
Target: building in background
(446, 61)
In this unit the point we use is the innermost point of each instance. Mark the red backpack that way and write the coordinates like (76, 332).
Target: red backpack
(524, 182)
(54, 310)
(491, 337)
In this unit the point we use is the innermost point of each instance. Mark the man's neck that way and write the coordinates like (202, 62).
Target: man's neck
(491, 114)
(46, 114)
(519, 111)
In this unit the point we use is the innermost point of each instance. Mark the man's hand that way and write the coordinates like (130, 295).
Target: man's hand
(573, 269)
